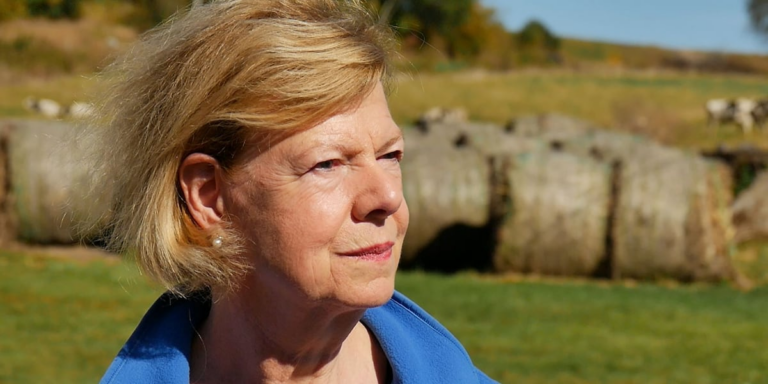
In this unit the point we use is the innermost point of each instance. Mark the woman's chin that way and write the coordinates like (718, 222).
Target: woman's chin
(373, 294)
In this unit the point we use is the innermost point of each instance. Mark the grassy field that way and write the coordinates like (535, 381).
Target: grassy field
(63, 319)
(666, 106)
(663, 105)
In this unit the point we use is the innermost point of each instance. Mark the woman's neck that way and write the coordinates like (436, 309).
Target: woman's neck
(262, 338)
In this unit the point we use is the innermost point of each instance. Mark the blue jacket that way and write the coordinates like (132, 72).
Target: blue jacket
(418, 348)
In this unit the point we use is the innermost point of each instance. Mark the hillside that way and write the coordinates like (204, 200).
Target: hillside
(580, 53)
(41, 48)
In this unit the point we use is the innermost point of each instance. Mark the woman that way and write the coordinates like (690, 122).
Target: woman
(256, 170)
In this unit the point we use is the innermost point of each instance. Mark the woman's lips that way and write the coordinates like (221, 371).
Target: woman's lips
(378, 252)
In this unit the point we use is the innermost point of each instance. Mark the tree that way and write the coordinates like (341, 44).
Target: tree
(758, 16)
(55, 9)
(433, 19)
(537, 45)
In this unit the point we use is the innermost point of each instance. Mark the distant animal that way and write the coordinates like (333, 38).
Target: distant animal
(45, 107)
(738, 111)
(79, 110)
(720, 111)
(760, 113)
(437, 115)
(743, 116)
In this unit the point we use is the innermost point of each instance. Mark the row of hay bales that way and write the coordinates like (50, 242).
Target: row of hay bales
(557, 196)
(44, 195)
(545, 194)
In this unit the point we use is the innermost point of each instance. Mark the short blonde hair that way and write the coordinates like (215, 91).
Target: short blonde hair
(206, 82)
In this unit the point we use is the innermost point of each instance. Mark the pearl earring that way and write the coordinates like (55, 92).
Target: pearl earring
(217, 242)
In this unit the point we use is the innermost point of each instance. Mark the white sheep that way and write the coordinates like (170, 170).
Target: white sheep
(739, 111)
(79, 110)
(743, 115)
(45, 107)
(720, 111)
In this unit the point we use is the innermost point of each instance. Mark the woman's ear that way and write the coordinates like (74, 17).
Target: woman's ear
(201, 183)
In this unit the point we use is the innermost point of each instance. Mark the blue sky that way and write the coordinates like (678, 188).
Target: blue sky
(709, 25)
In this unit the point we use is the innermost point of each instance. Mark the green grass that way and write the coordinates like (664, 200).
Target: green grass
(64, 90)
(535, 332)
(671, 104)
(63, 320)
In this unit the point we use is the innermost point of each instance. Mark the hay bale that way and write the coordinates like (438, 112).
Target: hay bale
(558, 215)
(440, 115)
(443, 187)
(671, 217)
(459, 134)
(48, 182)
(710, 232)
(548, 127)
(750, 211)
(485, 138)
(607, 146)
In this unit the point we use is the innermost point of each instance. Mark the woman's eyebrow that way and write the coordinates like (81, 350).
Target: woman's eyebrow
(392, 141)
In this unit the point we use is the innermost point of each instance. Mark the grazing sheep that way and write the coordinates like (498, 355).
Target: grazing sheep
(760, 113)
(720, 111)
(79, 110)
(739, 111)
(45, 107)
(743, 117)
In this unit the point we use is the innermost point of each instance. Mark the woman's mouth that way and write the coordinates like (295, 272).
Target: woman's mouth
(378, 252)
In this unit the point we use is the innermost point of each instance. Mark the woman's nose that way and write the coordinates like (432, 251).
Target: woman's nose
(379, 194)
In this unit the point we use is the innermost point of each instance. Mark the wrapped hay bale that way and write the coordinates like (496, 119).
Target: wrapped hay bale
(549, 127)
(459, 135)
(671, 217)
(448, 196)
(438, 115)
(608, 146)
(482, 137)
(419, 140)
(558, 214)
(49, 182)
(710, 232)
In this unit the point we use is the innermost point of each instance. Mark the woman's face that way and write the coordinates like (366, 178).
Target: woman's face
(323, 211)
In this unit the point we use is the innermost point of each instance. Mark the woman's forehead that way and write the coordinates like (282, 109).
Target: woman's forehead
(368, 122)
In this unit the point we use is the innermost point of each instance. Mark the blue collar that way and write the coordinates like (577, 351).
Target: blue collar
(418, 348)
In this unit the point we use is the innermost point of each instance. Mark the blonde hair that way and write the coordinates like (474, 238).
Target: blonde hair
(206, 82)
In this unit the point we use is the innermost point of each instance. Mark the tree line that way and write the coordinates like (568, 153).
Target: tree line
(463, 32)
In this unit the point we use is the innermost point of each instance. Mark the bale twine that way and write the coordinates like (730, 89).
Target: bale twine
(671, 217)
(558, 215)
(49, 182)
(443, 187)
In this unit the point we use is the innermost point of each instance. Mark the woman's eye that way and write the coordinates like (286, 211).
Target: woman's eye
(325, 165)
(394, 155)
